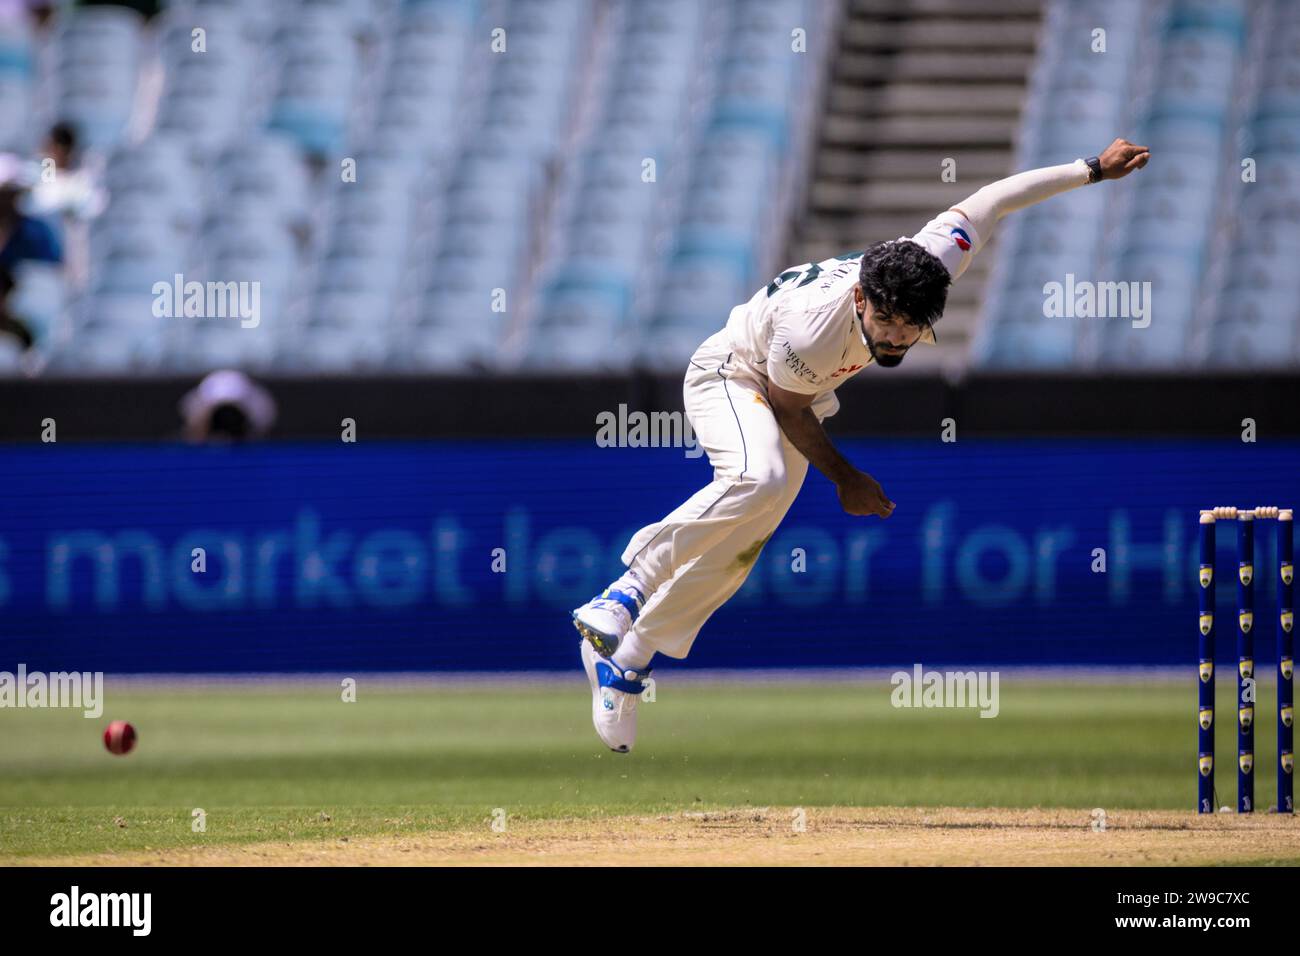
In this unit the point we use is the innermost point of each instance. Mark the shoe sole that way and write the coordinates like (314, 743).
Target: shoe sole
(591, 678)
(603, 644)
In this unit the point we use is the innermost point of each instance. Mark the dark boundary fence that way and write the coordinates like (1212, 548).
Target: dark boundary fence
(554, 406)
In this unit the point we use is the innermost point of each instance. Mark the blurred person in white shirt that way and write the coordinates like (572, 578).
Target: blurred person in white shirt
(227, 407)
(68, 185)
(68, 194)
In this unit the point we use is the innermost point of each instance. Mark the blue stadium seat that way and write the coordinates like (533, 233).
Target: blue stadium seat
(134, 271)
(455, 328)
(1280, 96)
(702, 289)
(1273, 133)
(223, 344)
(371, 312)
(1224, 18)
(16, 55)
(253, 18)
(317, 127)
(581, 323)
(130, 312)
(97, 349)
(1163, 345)
(16, 133)
(1183, 136)
(351, 272)
(1037, 343)
(1255, 328)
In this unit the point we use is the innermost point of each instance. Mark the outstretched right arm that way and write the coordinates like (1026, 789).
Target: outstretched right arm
(990, 204)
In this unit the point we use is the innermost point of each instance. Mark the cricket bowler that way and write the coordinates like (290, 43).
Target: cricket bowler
(756, 393)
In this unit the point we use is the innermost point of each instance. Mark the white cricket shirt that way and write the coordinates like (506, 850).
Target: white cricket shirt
(801, 330)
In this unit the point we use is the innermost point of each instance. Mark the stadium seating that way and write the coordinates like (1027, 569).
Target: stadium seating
(1198, 98)
(600, 192)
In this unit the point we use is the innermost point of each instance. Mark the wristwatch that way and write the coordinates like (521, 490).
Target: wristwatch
(1094, 169)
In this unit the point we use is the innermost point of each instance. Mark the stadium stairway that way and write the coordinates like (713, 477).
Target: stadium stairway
(914, 82)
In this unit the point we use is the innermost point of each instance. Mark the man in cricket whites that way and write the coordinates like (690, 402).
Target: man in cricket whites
(756, 393)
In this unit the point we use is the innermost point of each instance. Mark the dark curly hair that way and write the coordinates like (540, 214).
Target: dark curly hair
(901, 278)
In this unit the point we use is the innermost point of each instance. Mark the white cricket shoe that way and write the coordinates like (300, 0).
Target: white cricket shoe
(606, 618)
(614, 696)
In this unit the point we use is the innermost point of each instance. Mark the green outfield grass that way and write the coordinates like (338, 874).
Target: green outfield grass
(267, 763)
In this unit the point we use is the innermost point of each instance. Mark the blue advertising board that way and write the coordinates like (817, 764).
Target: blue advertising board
(469, 555)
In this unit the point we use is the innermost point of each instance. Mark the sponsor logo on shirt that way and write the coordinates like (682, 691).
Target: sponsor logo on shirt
(960, 237)
(797, 365)
(849, 370)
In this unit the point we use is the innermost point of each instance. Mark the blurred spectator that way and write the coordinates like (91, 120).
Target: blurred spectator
(67, 186)
(11, 327)
(67, 194)
(227, 406)
(22, 237)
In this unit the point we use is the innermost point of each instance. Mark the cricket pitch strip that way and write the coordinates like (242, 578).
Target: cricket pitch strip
(787, 836)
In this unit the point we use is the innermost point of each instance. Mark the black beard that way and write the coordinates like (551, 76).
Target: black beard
(881, 359)
(885, 359)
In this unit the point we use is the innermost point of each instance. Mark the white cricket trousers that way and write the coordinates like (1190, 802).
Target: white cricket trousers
(699, 555)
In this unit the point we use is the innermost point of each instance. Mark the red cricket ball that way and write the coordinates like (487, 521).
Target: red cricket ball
(119, 737)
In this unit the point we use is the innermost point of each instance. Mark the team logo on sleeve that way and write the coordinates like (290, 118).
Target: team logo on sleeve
(960, 237)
